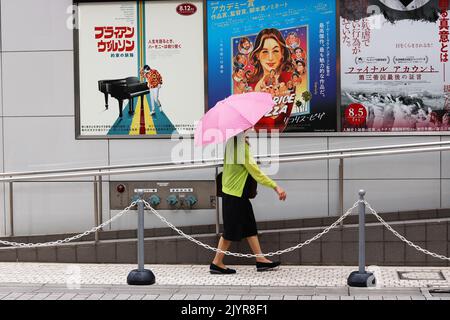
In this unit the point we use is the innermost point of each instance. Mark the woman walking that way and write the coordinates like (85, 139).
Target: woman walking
(238, 217)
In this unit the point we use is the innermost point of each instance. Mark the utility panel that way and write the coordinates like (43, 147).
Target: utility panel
(165, 195)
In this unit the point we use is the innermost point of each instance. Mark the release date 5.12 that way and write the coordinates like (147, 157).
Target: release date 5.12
(229, 310)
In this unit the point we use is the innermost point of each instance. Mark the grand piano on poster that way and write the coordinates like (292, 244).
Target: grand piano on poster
(121, 89)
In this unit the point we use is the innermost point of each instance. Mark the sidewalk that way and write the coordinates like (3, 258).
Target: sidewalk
(51, 281)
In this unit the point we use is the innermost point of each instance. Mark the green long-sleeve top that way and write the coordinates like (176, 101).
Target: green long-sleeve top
(235, 172)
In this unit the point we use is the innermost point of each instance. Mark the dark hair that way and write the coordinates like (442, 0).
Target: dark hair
(264, 34)
(238, 68)
(244, 39)
(300, 61)
(236, 57)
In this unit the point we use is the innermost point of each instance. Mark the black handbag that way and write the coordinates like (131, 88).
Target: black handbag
(250, 188)
(219, 192)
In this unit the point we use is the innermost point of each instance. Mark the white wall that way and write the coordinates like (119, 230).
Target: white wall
(2, 196)
(37, 132)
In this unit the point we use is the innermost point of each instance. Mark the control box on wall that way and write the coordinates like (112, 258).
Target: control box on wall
(165, 195)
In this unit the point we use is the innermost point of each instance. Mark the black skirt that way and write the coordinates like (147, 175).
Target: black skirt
(238, 218)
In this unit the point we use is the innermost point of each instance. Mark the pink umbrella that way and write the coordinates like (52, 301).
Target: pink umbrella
(232, 116)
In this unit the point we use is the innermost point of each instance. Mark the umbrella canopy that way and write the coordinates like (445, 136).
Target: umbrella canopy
(232, 116)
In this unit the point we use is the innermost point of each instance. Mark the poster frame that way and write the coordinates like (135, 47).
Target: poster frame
(76, 68)
(341, 133)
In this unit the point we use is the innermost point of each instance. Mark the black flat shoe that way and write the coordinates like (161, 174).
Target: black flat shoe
(213, 269)
(264, 266)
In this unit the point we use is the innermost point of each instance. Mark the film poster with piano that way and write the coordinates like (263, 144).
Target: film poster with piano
(394, 65)
(284, 47)
(141, 68)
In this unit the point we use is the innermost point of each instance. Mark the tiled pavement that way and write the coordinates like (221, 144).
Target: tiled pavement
(52, 281)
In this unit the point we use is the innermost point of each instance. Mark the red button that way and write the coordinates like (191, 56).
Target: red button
(120, 188)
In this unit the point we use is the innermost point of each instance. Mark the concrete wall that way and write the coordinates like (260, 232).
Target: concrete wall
(37, 132)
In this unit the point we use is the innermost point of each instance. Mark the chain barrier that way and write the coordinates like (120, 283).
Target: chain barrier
(66, 240)
(206, 246)
(248, 255)
(435, 255)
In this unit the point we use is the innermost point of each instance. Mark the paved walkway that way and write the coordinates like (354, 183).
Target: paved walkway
(53, 281)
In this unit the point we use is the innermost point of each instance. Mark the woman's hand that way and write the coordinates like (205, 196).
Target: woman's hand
(281, 193)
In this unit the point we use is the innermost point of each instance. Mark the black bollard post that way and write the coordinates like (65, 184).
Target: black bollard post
(361, 278)
(140, 276)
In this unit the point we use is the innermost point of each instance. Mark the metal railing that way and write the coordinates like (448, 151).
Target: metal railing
(99, 171)
(215, 160)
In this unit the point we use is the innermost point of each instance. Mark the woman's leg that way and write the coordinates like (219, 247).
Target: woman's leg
(253, 242)
(223, 245)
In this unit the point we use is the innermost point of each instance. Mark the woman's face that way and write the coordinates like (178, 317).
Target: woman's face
(271, 55)
(433, 116)
(246, 45)
(241, 59)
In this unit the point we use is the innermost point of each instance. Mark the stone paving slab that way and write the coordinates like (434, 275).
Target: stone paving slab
(150, 297)
(108, 296)
(67, 296)
(95, 296)
(385, 291)
(26, 296)
(40, 296)
(127, 293)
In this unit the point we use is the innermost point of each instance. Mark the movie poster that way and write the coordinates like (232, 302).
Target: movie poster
(284, 47)
(394, 65)
(141, 68)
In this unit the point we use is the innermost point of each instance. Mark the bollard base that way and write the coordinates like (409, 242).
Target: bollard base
(140, 277)
(357, 279)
